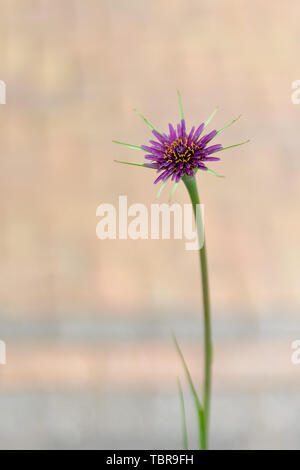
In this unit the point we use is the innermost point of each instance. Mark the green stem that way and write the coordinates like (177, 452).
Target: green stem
(191, 186)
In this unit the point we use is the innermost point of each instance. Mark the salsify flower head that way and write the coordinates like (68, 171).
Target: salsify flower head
(179, 154)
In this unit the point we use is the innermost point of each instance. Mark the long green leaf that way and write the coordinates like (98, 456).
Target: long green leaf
(137, 147)
(188, 375)
(194, 394)
(180, 105)
(183, 418)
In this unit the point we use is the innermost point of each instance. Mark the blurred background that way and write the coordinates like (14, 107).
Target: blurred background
(87, 323)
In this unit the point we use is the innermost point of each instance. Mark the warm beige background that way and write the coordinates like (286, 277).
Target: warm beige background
(87, 323)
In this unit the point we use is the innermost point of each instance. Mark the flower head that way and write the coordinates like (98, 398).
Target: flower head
(181, 153)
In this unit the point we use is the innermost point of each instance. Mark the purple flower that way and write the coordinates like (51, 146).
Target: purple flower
(180, 153)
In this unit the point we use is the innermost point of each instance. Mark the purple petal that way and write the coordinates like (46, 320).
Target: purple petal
(157, 145)
(164, 175)
(159, 178)
(190, 135)
(183, 128)
(151, 165)
(212, 149)
(155, 158)
(207, 138)
(159, 137)
(189, 172)
(172, 132)
(152, 150)
(147, 149)
(198, 132)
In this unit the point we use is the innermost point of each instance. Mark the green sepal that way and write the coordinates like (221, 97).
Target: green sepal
(173, 190)
(212, 172)
(147, 122)
(210, 118)
(137, 147)
(163, 184)
(180, 105)
(230, 124)
(135, 164)
(231, 146)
